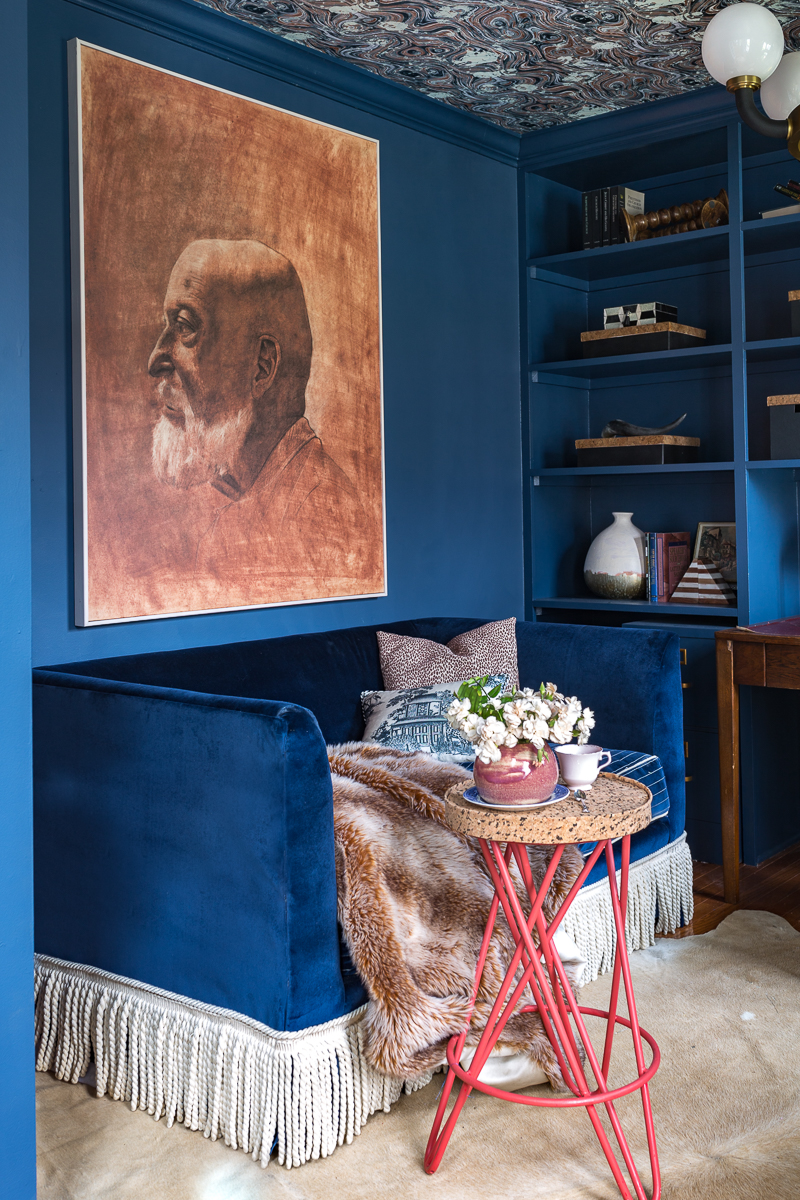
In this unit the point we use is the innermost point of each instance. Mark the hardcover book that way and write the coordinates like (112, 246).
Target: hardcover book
(595, 219)
(586, 223)
(673, 554)
(605, 215)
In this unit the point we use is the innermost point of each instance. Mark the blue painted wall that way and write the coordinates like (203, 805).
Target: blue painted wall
(451, 356)
(452, 411)
(17, 1131)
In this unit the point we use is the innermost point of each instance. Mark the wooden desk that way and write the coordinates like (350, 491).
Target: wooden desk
(759, 656)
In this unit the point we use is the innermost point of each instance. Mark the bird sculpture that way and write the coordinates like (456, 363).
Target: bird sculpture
(616, 429)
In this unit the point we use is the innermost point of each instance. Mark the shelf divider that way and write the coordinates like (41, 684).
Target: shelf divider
(773, 464)
(642, 469)
(642, 606)
(651, 362)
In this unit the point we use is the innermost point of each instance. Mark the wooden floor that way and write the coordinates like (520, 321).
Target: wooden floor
(774, 886)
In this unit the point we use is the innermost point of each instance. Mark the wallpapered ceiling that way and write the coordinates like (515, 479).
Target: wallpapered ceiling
(524, 65)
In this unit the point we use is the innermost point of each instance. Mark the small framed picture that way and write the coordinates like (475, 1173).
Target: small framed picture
(716, 541)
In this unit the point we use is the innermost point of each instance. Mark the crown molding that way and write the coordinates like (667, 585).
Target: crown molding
(208, 30)
(654, 120)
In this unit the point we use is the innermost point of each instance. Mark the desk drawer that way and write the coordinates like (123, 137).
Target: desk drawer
(749, 665)
(782, 666)
(759, 664)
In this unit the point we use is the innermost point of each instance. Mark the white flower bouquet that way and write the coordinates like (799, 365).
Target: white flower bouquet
(489, 720)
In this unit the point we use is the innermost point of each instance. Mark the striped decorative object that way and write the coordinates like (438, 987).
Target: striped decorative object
(703, 584)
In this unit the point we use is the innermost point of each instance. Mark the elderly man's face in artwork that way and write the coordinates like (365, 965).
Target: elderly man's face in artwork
(231, 364)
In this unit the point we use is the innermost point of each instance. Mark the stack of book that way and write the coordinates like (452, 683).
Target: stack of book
(667, 559)
(602, 215)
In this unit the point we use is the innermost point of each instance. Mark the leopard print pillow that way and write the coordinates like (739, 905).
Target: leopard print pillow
(416, 662)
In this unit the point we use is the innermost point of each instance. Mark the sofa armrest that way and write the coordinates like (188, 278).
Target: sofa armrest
(631, 678)
(186, 840)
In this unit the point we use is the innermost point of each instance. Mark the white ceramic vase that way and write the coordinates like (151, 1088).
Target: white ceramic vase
(615, 564)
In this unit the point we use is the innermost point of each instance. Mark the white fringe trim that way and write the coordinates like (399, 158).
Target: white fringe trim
(210, 1068)
(659, 883)
(311, 1091)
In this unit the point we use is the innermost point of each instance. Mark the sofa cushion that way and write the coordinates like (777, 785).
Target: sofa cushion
(646, 769)
(415, 662)
(416, 719)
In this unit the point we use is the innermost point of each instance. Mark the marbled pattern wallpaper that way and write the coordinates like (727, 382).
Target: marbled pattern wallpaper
(523, 66)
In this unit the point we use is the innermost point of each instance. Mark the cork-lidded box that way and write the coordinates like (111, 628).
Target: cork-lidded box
(638, 339)
(794, 309)
(784, 425)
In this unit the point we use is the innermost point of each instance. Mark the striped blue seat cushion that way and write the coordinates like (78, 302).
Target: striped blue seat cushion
(646, 769)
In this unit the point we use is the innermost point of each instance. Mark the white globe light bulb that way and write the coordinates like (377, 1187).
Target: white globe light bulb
(742, 39)
(781, 93)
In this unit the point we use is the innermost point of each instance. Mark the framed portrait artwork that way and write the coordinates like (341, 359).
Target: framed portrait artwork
(227, 349)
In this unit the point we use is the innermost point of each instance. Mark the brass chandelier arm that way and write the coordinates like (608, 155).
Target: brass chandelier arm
(753, 116)
(794, 133)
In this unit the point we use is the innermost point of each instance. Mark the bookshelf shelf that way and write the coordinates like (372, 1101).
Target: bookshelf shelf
(655, 470)
(774, 464)
(771, 349)
(766, 235)
(588, 603)
(683, 250)
(655, 361)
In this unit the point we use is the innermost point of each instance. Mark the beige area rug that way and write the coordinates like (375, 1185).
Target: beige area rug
(724, 1007)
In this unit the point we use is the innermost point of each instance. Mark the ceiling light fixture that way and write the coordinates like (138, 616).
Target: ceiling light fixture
(743, 49)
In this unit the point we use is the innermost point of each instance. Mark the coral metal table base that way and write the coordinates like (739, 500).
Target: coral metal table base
(561, 1015)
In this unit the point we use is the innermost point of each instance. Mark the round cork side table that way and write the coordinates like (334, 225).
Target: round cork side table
(614, 807)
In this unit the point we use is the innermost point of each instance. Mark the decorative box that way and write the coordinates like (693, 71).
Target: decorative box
(784, 425)
(638, 339)
(794, 309)
(651, 313)
(648, 450)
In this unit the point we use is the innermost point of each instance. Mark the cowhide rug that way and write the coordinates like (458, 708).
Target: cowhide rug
(724, 1007)
(414, 897)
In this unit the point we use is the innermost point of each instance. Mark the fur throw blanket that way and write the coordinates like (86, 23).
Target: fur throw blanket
(413, 898)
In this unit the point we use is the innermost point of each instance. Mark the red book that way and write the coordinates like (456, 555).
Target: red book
(674, 551)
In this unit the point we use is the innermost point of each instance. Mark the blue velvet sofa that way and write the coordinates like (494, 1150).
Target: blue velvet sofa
(183, 818)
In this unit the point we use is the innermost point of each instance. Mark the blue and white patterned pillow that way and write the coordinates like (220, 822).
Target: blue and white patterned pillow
(416, 719)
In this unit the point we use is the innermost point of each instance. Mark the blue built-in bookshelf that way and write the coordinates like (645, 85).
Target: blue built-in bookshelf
(731, 281)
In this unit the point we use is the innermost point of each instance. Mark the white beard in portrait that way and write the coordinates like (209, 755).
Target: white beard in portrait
(193, 452)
